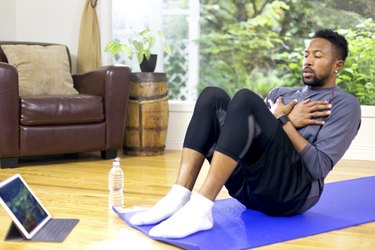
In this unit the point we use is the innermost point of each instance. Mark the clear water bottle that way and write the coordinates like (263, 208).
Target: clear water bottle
(116, 185)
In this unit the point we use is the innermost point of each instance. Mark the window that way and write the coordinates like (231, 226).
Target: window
(249, 44)
(179, 22)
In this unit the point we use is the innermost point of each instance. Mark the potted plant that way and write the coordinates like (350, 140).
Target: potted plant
(141, 47)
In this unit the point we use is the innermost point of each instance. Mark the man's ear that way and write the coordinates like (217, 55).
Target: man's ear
(339, 65)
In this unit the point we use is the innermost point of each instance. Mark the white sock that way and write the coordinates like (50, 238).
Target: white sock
(177, 197)
(195, 216)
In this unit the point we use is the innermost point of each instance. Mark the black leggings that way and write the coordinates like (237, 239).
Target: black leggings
(248, 126)
(270, 175)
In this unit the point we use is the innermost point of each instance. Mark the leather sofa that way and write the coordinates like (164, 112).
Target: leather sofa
(92, 120)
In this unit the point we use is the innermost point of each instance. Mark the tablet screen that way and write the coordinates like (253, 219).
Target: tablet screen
(20, 201)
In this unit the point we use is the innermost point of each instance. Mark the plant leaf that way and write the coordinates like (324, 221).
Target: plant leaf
(167, 48)
(144, 32)
(138, 45)
(139, 54)
(113, 47)
(151, 42)
(127, 50)
(147, 54)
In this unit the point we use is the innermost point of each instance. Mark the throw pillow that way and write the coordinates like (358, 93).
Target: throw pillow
(42, 70)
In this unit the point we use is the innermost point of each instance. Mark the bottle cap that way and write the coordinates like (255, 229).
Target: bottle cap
(116, 162)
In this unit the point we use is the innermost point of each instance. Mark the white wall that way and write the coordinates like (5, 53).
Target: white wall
(363, 146)
(55, 21)
(8, 20)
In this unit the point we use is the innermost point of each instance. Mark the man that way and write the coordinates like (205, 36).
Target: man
(270, 158)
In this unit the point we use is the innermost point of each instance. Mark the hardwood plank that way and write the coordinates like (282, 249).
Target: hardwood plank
(78, 188)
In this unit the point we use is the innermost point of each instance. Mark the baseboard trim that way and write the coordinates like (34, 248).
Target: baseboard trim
(360, 153)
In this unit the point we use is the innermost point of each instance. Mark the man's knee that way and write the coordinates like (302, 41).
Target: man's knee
(245, 94)
(245, 98)
(213, 96)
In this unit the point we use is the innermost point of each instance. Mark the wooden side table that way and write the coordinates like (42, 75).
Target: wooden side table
(147, 117)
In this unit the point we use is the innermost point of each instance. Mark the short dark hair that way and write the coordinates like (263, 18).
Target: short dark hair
(337, 40)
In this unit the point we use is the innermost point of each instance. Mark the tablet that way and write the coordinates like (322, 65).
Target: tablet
(22, 205)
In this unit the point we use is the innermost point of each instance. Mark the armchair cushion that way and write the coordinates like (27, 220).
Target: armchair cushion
(42, 70)
(61, 110)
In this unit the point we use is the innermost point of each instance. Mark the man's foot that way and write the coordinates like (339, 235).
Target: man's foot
(195, 216)
(177, 197)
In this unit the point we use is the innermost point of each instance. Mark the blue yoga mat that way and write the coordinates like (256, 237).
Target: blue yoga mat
(343, 204)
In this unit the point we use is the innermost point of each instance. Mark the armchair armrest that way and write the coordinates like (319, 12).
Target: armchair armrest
(9, 111)
(113, 84)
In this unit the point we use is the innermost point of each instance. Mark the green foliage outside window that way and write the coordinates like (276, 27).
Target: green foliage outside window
(259, 44)
(358, 77)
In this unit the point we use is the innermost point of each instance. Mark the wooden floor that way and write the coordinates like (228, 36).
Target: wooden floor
(77, 188)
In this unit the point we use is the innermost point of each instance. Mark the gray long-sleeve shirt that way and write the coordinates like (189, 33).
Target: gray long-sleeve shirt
(328, 142)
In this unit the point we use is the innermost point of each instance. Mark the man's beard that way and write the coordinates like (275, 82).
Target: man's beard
(315, 81)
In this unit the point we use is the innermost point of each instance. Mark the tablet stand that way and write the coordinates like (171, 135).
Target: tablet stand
(44, 234)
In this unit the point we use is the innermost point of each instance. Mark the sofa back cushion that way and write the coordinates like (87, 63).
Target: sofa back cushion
(42, 70)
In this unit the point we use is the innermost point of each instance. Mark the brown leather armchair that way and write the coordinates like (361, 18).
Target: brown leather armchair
(93, 120)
